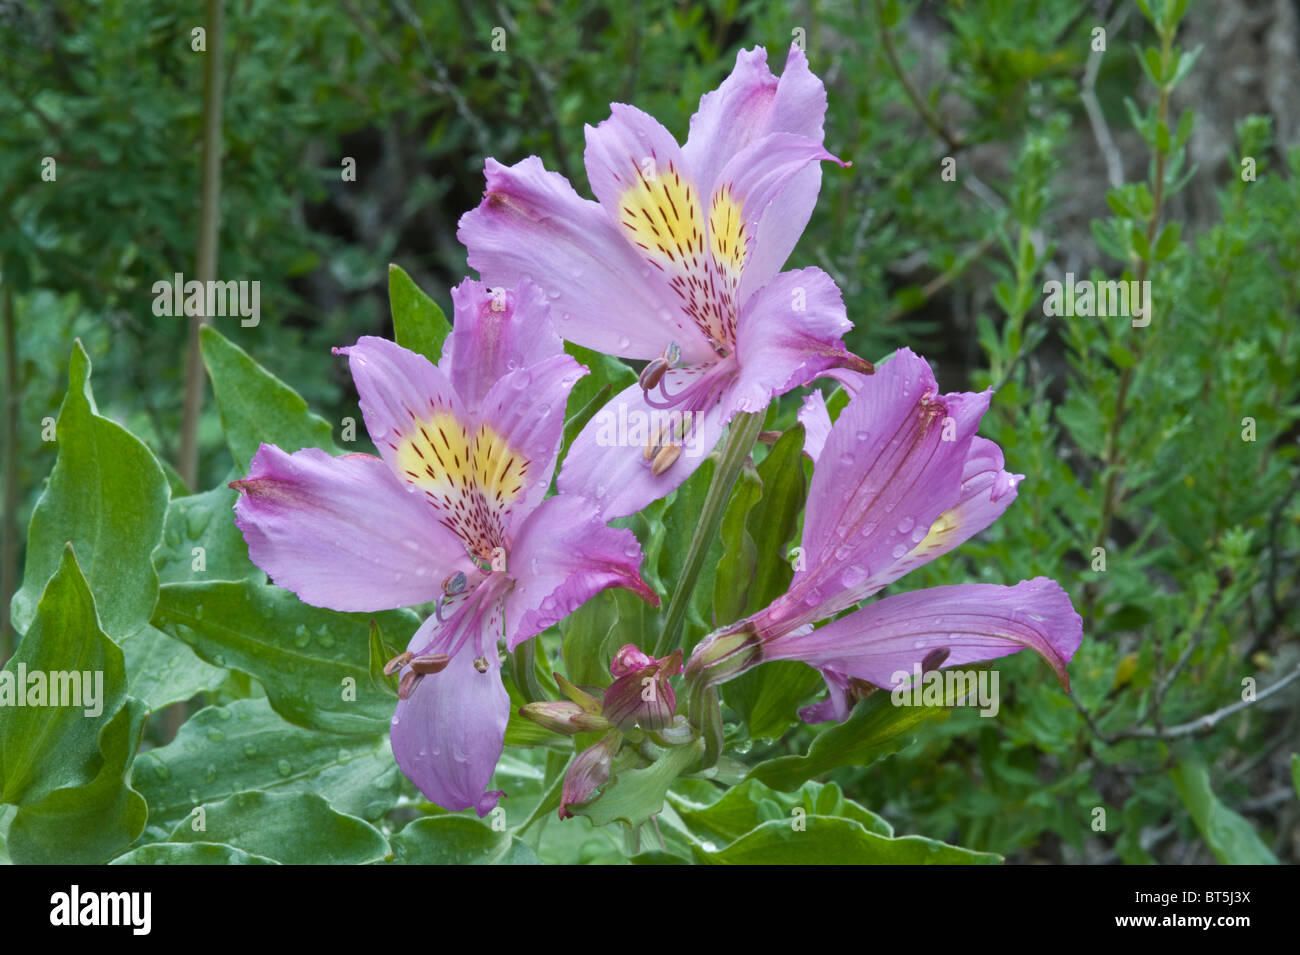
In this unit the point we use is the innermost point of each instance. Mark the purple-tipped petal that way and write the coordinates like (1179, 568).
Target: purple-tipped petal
(342, 532)
(604, 294)
(448, 736)
(973, 622)
(748, 105)
(565, 555)
(789, 334)
(496, 331)
(892, 463)
(607, 462)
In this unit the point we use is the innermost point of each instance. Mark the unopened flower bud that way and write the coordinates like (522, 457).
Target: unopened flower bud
(724, 655)
(629, 658)
(564, 717)
(588, 772)
(642, 695)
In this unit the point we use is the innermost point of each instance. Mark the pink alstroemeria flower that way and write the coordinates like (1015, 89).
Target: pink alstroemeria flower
(902, 478)
(452, 511)
(677, 263)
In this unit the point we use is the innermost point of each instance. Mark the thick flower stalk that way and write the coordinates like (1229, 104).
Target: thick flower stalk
(452, 511)
(677, 263)
(901, 479)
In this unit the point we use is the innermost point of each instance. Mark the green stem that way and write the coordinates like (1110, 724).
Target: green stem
(744, 432)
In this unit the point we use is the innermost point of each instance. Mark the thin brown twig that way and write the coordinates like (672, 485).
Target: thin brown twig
(928, 116)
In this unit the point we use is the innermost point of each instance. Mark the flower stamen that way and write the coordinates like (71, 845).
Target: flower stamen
(397, 662)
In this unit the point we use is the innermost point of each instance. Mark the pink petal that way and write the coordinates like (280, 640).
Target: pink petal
(769, 181)
(399, 390)
(749, 104)
(525, 410)
(973, 622)
(789, 334)
(496, 331)
(564, 556)
(987, 490)
(606, 462)
(886, 471)
(342, 532)
(816, 421)
(448, 736)
(604, 294)
(637, 173)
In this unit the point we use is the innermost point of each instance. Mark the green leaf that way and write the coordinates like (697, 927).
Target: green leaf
(577, 420)
(1295, 772)
(459, 840)
(223, 750)
(190, 853)
(257, 407)
(418, 323)
(635, 795)
(768, 697)
(107, 496)
(587, 636)
(773, 521)
(606, 372)
(608, 376)
(161, 671)
(680, 520)
(313, 662)
(740, 556)
(750, 804)
(295, 828)
(44, 748)
(380, 654)
(655, 857)
(83, 825)
(875, 728)
(204, 521)
(1230, 836)
(828, 840)
(1168, 241)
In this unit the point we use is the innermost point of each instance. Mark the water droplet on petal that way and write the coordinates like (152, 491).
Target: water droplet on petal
(854, 576)
(906, 524)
